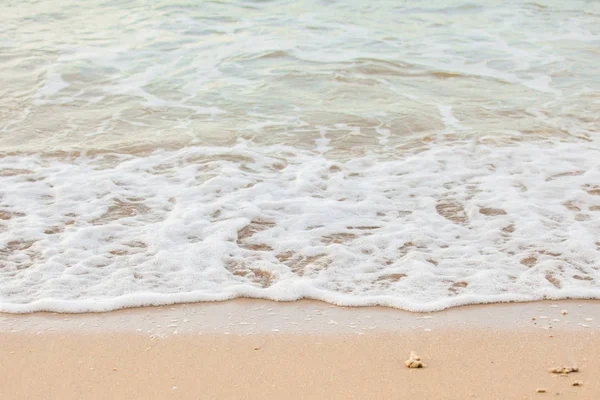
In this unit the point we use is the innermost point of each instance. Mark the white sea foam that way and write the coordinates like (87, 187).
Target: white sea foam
(54, 83)
(454, 224)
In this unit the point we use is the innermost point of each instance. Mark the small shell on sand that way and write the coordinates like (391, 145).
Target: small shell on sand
(414, 361)
(563, 370)
(564, 312)
(577, 383)
(540, 390)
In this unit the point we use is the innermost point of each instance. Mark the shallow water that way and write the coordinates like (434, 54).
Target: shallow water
(419, 155)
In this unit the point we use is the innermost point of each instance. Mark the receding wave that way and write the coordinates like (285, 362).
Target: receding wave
(450, 225)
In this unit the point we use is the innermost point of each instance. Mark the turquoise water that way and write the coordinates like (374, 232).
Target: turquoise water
(125, 75)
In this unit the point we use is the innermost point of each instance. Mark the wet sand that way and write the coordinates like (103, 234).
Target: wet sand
(252, 349)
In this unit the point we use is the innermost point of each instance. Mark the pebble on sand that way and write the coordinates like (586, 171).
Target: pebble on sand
(577, 383)
(414, 361)
(564, 312)
(540, 390)
(563, 370)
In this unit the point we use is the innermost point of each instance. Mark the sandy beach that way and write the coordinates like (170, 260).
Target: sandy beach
(253, 349)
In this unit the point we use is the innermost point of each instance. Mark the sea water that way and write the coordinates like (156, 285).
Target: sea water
(412, 154)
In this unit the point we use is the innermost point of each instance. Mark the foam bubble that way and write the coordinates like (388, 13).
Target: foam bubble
(452, 225)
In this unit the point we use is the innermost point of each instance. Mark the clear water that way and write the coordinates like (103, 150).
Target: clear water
(419, 155)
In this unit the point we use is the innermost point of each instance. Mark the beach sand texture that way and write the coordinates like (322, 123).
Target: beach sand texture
(251, 349)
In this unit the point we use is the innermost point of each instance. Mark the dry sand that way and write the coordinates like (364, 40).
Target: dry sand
(251, 349)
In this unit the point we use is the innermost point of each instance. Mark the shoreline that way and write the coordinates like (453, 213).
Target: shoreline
(256, 349)
(257, 316)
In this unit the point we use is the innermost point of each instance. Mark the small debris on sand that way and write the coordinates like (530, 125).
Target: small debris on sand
(540, 390)
(414, 361)
(533, 318)
(577, 383)
(257, 348)
(563, 370)
(564, 312)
